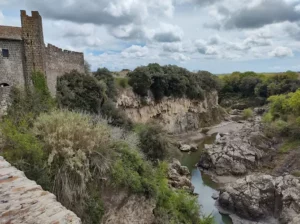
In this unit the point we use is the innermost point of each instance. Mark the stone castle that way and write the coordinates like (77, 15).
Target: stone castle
(23, 51)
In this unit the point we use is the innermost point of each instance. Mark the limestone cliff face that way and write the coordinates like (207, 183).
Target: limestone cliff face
(175, 114)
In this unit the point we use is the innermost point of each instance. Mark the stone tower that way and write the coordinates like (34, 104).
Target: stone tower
(34, 46)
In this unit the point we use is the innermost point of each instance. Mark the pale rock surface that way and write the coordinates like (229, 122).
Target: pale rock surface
(238, 152)
(179, 176)
(25, 202)
(175, 115)
(263, 199)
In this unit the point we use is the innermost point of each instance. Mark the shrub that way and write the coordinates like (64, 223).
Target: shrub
(104, 75)
(140, 80)
(296, 173)
(155, 143)
(248, 84)
(247, 113)
(122, 82)
(115, 116)
(80, 92)
(27, 105)
(172, 81)
(267, 118)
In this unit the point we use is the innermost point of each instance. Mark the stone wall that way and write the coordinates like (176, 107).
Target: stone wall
(34, 46)
(4, 99)
(11, 68)
(58, 62)
(25, 202)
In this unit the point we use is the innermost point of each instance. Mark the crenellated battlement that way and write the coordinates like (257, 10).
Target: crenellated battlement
(28, 53)
(53, 48)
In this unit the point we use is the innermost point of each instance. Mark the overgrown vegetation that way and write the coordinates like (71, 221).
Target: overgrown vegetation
(259, 86)
(172, 81)
(247, 113)
(76, 155)
(283, 118)
(155, 143)
(90, 94)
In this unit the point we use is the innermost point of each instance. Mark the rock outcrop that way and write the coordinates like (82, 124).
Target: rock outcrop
(176, 115)
(263, 197)
(25, 202)
(237, 153)
(179, 176)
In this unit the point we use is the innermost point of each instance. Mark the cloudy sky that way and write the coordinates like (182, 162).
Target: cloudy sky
(220, 36)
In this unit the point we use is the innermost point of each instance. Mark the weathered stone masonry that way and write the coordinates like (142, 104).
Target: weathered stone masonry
(59, 61)
(27, 53)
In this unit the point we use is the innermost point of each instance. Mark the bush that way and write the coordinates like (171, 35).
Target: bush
(247, 113)
(27, 105)
(155, 143)
(80, 92)
(104, 75)
(115, 116)
(172, 81)
(122, 82)
(140, 80)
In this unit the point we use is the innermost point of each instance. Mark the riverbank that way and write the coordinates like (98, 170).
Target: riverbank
(231, 151)
(205, 184)
(248, 167)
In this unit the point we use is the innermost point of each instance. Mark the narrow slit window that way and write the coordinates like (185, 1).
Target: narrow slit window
(5, 53)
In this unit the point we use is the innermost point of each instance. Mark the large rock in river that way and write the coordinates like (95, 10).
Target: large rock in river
(261, 197)
(238, 152)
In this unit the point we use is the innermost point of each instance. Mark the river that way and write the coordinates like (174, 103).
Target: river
(204, 186)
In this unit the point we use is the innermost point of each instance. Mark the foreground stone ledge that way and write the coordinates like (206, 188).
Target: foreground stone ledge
(23, 201)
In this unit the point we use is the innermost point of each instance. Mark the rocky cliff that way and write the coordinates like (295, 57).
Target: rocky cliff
(175, 114)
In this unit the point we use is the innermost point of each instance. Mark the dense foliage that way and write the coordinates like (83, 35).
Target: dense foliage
(155, 143)
(172, 81)
(105, 76)
(250, 84)
(82, 92)
(283, 118)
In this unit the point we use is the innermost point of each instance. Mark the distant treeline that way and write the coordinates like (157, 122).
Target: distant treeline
(171, 80)
(251, 84)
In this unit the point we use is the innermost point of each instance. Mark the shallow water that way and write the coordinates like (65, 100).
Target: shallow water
(204, 186)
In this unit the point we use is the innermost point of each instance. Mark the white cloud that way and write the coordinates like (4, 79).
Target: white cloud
(135, 51)
(135, 32)
(281, 52)
(180, 57)
(168, 33)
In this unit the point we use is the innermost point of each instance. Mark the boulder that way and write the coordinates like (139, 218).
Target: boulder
(179, 176)
(185, 148)
(238, 152)
(260, 197)
(215, 195)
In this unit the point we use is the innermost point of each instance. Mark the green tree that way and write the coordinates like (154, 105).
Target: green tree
(103, 74)
(155, 143)
(80, 92)
(248, 84)
(140, 80)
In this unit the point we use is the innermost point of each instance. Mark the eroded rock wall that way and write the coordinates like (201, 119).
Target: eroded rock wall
(176, 115)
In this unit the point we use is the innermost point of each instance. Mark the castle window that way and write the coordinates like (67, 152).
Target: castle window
(5, 53)
(3, 85)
